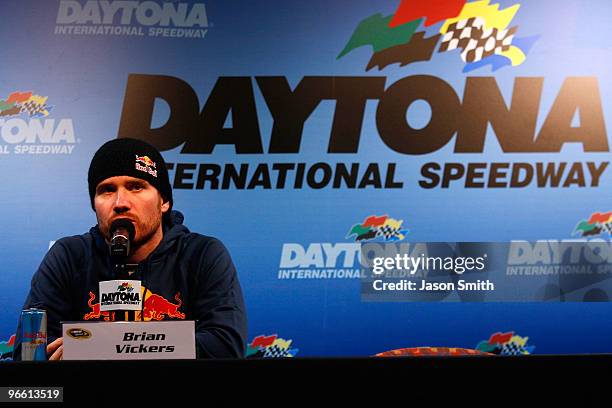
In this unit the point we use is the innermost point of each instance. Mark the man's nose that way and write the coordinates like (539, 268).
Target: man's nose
(122, 202)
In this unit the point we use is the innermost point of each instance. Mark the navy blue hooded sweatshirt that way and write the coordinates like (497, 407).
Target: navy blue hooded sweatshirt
(188, 276)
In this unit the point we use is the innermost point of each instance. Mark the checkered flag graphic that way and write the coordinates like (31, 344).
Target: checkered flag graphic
(607, 227)
(494, 43)
(512, 349)
(275, 352)
(388, 231)
(459, 34)
(32, 108)
(476, 41)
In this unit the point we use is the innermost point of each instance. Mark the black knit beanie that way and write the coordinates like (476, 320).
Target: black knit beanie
(129, 157)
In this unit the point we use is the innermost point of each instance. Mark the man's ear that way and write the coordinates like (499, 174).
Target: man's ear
(165, 206)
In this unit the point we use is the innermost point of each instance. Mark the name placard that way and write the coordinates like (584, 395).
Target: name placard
(165, 340)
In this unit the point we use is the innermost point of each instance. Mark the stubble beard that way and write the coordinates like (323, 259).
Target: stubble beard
(148, 229)
(145, 231)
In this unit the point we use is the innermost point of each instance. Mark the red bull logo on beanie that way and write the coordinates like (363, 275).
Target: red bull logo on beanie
(145, 164)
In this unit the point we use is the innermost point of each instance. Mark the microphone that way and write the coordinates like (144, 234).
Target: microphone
(122, 233)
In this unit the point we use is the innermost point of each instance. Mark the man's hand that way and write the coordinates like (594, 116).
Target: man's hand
(55, 349)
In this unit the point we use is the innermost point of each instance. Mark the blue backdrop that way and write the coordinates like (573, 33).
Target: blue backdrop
(83, 56)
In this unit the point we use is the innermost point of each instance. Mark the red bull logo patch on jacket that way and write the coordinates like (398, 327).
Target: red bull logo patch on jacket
(155, 307)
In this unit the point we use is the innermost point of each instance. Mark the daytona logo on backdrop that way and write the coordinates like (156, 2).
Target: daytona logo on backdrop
(560, 257)
(26, 129)
(132, 18)
(340, 260)
(466, 121)
(481, 33)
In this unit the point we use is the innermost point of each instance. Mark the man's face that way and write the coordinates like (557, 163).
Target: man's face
(131, 198)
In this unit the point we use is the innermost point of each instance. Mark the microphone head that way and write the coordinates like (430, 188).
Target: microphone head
(122, 233)
(123, 223)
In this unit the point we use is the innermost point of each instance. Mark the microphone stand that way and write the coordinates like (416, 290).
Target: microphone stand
(122, 232)
(120, 273)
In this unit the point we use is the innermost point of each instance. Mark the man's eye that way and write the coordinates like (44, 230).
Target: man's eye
(137, 187)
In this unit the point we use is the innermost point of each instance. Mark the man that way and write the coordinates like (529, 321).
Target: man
(191, 273)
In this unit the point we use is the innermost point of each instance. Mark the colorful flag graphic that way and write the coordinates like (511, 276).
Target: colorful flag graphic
(478, 29)
(597, 223)
(492, 18)
(19, 97)
(475, 41)
(522, 46)
(433, 11)
(263, 341)
(25, 102)
(270, 347)
(418, 49)
(506, 344)
(601, 218)
(378, 226)
(374, 221)
(491, 14)
(375, 31)
(6, 348)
